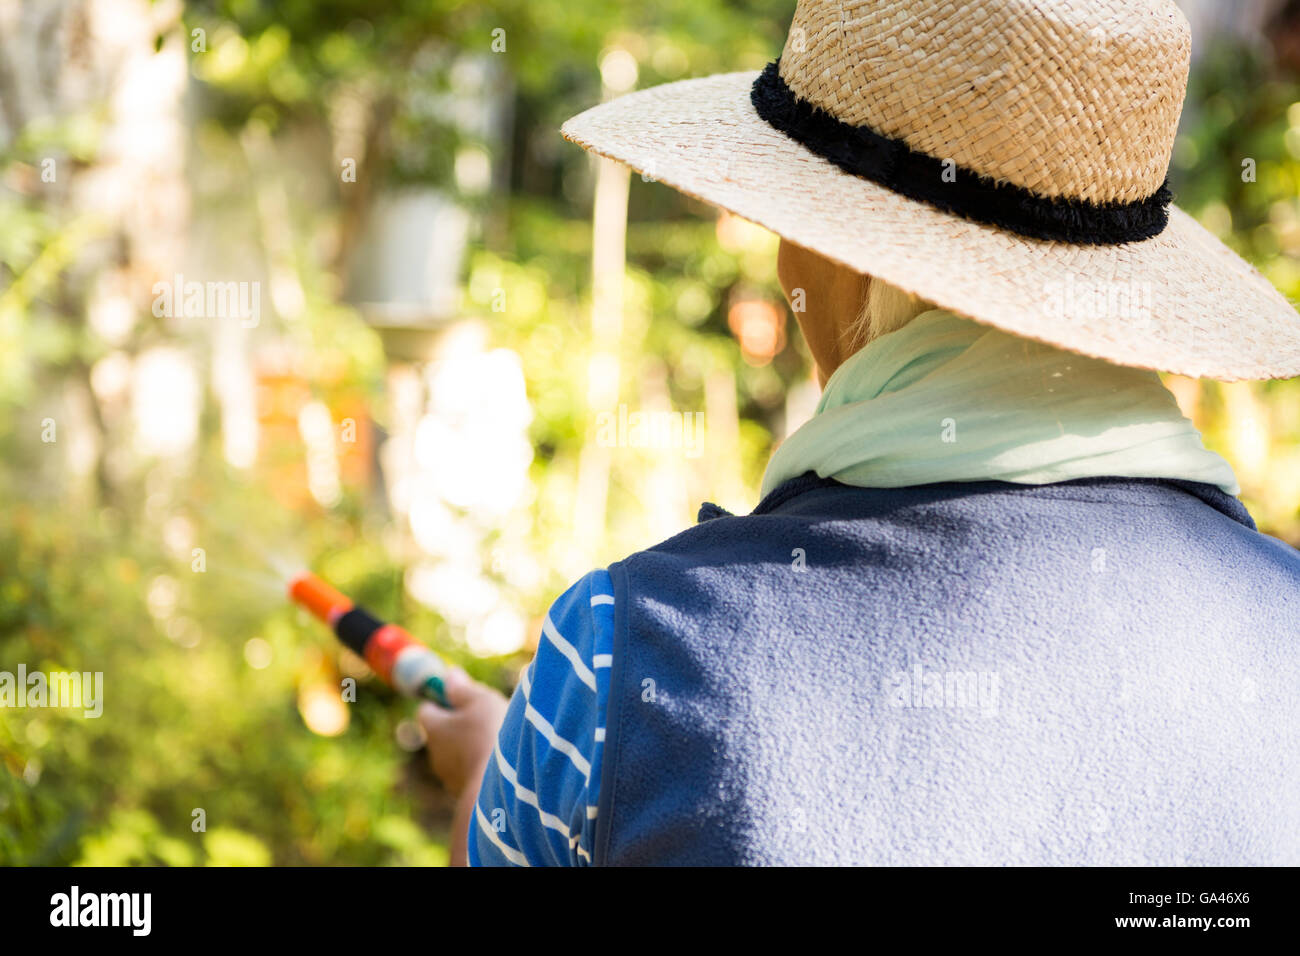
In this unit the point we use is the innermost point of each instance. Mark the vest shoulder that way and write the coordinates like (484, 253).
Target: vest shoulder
(1154, 506)
(1157, 527)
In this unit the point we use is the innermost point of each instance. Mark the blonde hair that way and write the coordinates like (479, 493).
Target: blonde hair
(885, 308)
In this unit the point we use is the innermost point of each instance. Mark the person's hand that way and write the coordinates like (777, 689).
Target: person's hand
(461, 740)
(460, 744)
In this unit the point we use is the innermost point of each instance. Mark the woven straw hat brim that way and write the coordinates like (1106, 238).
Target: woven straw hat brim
(1180, 302)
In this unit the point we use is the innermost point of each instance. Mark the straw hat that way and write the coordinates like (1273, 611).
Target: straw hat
(1005, 159)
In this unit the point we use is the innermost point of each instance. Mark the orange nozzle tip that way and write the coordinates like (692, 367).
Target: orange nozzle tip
(318, 597)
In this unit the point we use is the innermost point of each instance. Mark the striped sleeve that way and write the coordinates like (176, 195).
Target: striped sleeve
(537, 803)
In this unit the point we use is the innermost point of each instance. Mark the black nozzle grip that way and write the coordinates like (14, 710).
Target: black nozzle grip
(355, 627)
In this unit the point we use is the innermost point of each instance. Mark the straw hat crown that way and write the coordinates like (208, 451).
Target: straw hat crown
(1073, 99)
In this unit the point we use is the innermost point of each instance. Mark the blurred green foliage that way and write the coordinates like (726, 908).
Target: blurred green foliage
(1236, 168)
(206, 674)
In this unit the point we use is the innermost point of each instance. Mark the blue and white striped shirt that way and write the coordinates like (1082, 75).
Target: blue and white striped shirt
(537, 803)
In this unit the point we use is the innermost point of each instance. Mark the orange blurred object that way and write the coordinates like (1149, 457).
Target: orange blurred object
(760, 327)
(315, 595)
(282, 393)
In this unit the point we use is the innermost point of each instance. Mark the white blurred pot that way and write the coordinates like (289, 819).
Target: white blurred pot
(405, 275)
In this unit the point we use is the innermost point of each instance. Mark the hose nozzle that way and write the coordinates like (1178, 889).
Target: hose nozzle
(403, 662)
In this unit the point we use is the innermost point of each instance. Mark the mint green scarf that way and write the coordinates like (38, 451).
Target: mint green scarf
(947, 399)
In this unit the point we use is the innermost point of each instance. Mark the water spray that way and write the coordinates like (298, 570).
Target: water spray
(403, 662)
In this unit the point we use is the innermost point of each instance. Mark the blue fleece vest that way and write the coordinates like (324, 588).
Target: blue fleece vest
(1102, 671)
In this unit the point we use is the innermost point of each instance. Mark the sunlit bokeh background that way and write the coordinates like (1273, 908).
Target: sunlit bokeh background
(418, 313)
